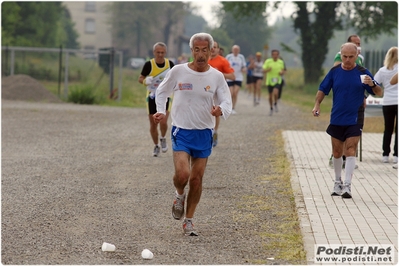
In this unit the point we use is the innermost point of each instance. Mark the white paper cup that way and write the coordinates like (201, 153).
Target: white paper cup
(147, 254)
(108, 247)
(362, 77)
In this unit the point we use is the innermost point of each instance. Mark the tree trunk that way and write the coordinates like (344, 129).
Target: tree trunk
(316, 29)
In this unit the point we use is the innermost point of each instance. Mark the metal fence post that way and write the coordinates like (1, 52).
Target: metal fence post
(120, 76)
(60, 71)
(111, 70)
(12, 62)
(66, 75)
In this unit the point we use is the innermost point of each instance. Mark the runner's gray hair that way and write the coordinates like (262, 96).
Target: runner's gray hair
(159, 44)
(202, 36)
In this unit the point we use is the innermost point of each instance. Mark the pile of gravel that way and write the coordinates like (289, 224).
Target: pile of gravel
(25, 88)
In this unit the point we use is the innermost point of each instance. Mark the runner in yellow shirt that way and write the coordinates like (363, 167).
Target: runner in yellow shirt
(274, 67)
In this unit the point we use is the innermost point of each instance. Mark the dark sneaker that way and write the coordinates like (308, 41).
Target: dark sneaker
(188, 228)
(337, 191)
(178, 207)
(346, 191)
(164, 145)
(156, 151)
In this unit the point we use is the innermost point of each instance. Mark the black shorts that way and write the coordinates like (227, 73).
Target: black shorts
(344, 132)
(250, 79)
(152, 106)
(256, 79)
(235, 82)
(270, 88)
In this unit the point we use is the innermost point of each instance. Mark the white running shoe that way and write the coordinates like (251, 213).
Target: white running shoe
(178, 207)
(385, 159)
(164, 145)
(337, 191)
(346, 191)
(188, 228)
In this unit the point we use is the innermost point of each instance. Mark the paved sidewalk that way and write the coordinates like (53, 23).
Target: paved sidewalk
(370, 217)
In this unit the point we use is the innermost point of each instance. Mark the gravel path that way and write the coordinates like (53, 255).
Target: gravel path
(74, 176)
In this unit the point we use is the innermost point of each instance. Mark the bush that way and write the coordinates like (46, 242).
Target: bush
(82, 95)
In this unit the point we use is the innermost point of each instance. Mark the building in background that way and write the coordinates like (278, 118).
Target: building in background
(91, 24)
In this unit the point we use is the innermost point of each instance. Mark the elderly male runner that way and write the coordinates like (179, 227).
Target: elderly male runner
(194, 85)
(348, 94)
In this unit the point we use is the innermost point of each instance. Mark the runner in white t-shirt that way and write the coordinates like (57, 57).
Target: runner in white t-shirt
(238, 63)
(196, 87)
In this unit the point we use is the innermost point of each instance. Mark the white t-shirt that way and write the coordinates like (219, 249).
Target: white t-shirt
(258, 70)
(383, 77)
(193, 96)
(237, 63)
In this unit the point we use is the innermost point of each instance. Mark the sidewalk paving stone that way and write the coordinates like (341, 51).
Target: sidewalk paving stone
(369, 218)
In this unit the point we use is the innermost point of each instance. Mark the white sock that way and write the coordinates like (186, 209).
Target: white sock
(178, 195)
(349, 168)
(338, 168)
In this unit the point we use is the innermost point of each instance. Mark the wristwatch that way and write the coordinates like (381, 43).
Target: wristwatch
(375, 84)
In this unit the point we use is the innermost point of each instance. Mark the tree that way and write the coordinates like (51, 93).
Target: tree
(38, 24)
(250, 34)
(137, 23)
(10, 20)
(315, 34)
(68, 35)
(316, 22)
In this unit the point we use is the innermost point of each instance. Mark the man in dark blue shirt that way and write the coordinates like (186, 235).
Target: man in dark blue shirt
(348, 82)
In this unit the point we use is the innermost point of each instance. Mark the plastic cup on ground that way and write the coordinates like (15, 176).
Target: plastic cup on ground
(108, 247)
(147, 254)
(362, 77)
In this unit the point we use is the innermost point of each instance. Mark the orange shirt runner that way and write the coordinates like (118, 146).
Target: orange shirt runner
(221, 64)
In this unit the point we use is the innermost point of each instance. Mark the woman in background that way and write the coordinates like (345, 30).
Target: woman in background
(390, 103)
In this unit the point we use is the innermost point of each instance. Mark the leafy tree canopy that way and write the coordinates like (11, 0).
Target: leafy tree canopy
(315, 22)
(38, 24)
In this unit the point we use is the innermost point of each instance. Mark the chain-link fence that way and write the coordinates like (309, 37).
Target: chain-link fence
(64, 66)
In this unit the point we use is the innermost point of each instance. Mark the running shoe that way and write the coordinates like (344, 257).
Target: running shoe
(215, 139)
(337, 191)
(164, 145)
(395, 159)
(330, 162)
(178, 207)
(156, 151)
(346, 191)
(395, 166)
(271, 112)
(275, 107)
(188, 228)
(233, 112)
(385, 159)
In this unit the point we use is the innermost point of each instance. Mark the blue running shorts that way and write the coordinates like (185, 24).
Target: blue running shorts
(196, 142)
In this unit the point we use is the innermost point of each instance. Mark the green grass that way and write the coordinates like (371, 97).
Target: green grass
(295, 93)
(88, 74)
